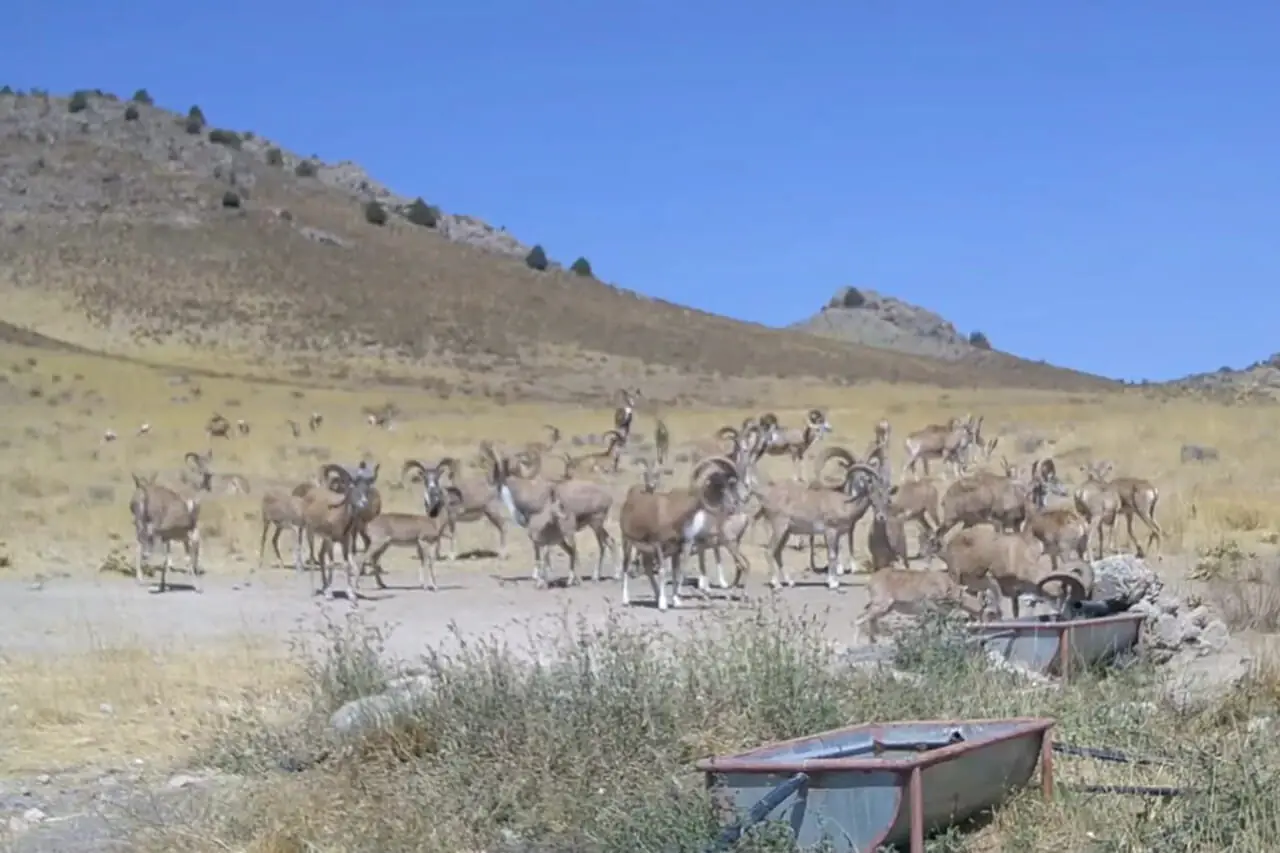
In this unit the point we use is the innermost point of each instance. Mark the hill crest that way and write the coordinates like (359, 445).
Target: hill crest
(128, 228)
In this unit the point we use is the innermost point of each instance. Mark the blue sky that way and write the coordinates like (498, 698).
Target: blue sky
(1097, 185)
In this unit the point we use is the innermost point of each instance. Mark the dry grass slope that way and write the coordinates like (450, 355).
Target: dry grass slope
(120, 241)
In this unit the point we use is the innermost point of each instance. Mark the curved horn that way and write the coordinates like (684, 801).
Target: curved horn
(195, 460)
(816, 416)
(1071, 585)
(768, 419)
(864, 468)
(749, 422)
(448, 463)
(835, 452)
(700, 471)
(413, 465)
(615, 437)
(331, 469)
(554, 432)
(728, 432)
(531, 462)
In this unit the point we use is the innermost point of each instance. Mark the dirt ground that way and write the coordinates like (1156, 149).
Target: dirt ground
(476, 597)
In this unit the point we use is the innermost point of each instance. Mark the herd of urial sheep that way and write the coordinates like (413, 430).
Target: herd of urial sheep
(1008, 522)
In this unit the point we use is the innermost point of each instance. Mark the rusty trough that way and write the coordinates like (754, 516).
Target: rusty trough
(866, 786)
(1053, 646)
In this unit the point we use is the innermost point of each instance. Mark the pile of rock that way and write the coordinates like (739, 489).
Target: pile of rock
(1195, 648)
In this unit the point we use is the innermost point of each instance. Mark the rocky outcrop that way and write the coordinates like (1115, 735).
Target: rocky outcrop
(1201, 660)
(874, 319)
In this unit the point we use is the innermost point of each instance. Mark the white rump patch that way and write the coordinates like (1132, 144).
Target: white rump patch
(696, 525)
(509, 500)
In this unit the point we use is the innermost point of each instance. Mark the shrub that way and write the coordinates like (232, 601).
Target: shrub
(275, 157)
(142, 96)
(421, 213)
(196, 113)
(6, 90)
(229, 138)
(979, 340)
(616, 713)
(582, 267)
(536, 259)
(375, 214)
(230, 199)
(305, 169)
(131, 113)
(79, 102)
(193, 126)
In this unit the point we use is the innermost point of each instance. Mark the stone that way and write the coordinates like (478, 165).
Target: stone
(1124, 578)
(1197, 681)
(1167, 632)
(1215, 636)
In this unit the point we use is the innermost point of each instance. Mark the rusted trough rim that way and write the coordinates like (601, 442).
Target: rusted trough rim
(1066, 625)
(1022, 627)
(749, 762)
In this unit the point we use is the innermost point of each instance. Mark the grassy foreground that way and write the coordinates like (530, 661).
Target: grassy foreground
(590, 749)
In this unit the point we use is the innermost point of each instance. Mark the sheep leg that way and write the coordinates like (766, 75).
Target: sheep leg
(721, 581)
(501, 523)
(138, 560)
(353, 571)
(262, 546)
(537, 561)
(871, 615)
(834, 566)
(777, 542)
(571, 549)
(192, 544)
(603, 541)
(624, 569)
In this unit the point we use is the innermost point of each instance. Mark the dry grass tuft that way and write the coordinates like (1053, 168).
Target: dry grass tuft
(125, 700)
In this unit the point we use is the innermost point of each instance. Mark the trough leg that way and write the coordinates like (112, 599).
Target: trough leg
(915, 790)
(1046, 765)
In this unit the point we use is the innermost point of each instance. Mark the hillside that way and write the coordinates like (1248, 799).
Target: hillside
(132, 230)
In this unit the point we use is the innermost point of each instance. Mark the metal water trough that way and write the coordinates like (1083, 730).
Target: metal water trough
(1053, 644)
(884, 783)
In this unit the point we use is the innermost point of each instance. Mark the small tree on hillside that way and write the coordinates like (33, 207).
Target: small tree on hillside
(421, 213)
(979, 340)
(537, 259)
(582, 267)
(142, 96)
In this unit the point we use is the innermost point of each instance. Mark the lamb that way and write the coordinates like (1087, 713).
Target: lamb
(908, 591)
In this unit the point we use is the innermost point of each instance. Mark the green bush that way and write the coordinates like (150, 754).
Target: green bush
(142, 96)
(275, 157)
(193, 126)
(196, 113)
(131, 113)
(229, 138)
(230, 199)
(421, 213)
(375, 214)
(582, 267)
(536, 259)
(305, 169)
(6, 90)
(79, 102)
